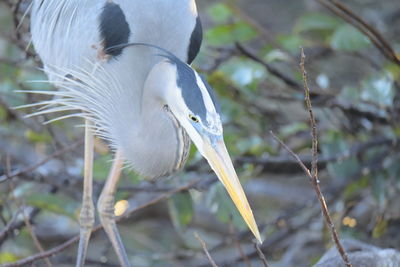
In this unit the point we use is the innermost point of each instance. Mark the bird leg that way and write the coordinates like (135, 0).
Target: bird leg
(86, 218)
(105, 207)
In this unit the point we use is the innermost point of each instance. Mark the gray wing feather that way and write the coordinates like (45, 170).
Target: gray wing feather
(64, 32)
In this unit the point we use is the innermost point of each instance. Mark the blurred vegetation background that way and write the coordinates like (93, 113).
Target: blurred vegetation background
(250, 55)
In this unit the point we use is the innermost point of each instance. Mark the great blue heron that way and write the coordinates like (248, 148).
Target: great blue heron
(123, 64)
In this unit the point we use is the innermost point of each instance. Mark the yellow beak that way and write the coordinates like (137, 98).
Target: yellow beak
(217, 156)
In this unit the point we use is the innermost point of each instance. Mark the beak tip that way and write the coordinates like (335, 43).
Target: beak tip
(257, 235)
(260, 241)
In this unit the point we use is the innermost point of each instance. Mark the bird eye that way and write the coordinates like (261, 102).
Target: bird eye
(194, 118)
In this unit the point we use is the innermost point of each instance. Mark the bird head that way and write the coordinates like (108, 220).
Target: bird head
(192, 102)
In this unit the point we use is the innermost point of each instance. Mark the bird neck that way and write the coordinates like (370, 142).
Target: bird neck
(161, 145)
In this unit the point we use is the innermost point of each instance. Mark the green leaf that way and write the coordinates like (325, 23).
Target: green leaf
(291, 42)
(379, 187)
(244, 32)
(7, 257)
(219, 13)
(349, 94)
(278, 55)
(379, 89)
(392, 167)
(180, 209)
(380, 228)
(54, 203)
(228, 34)
(354, 187)
(252, 145)
(348, 38)
(130, 175)
(219, 35)
(316, 22)
(292, 129)
(244, 73)
(7, 88)
(394, 70)
(3, 113)
(37, 137)
(334, 144)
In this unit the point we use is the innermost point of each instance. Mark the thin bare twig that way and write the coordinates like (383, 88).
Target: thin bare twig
(16, 19)
(31, 168)
(287, 165)
(204, 246)
(14, 224)
(22, 209)
(314, 148)
(237, 244)
(279, 237)
(349, 16)
(45, 254)
(290, 82)
(314, 168)
(313, 174)
(18, 116)
(294, 155)
(35, 238)
(261, 254)
(8, 227)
